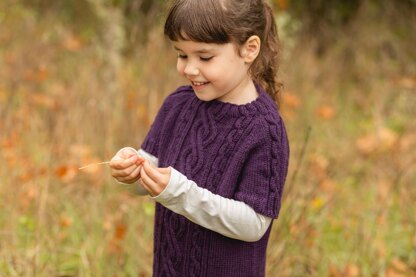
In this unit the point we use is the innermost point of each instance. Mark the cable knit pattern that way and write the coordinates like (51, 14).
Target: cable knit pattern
(236, 151)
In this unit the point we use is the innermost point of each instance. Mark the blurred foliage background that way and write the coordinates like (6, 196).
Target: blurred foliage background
(81, 79)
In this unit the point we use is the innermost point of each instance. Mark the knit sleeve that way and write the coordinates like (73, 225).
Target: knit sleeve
(264, 171)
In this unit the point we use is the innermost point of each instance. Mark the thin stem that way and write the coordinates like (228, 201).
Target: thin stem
(93, 164)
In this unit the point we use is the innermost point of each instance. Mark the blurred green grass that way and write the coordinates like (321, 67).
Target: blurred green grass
(69, 96)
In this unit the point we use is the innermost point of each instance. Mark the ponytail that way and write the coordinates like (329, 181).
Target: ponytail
(264, 69)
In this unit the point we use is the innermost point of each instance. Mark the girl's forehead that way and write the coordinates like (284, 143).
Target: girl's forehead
(194, 46)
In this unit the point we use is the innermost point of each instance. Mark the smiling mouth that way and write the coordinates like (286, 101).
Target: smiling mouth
(197, 84)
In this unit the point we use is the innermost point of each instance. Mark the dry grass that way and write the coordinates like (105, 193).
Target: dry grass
(68, 99)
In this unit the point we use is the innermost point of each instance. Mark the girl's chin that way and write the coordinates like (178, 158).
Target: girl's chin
(203, 96)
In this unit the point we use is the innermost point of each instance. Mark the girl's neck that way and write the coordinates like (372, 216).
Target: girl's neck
(245, 94)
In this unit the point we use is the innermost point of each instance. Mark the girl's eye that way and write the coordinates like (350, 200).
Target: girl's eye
(182, 56)
(205, 59)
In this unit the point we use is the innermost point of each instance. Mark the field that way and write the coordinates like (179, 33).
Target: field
(71, 96)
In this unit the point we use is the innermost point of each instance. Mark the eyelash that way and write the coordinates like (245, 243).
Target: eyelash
(201, 58)
(205, 59)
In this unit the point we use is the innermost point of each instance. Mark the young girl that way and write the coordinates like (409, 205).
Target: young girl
(216, 156)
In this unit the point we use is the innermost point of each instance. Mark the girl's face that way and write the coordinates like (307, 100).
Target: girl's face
(215, 71)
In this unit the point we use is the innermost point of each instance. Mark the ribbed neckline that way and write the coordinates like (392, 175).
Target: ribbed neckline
(220, 109)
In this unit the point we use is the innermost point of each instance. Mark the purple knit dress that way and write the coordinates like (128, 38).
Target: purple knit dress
(236, 151)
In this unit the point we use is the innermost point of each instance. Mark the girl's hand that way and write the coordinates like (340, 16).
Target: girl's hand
(125, 165)
(154, 179)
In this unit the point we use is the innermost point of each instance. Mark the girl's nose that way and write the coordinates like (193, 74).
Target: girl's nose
(191, 70)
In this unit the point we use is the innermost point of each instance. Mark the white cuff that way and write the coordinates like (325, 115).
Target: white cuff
(154, 160)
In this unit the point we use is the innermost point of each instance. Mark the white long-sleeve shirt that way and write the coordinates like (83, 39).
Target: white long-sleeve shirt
(231, 218)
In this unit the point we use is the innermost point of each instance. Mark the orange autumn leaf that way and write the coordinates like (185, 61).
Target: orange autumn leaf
(334, 271)
(384, 139)
(42, 100)
(27, 196)
(42, 171)
(294, 229)
(366, 144)
(282, 4)
(80, 152)
(407, 82)
(318, 165)
(351, 270)
(65, 221)
(399, 265)
(383, 191)
(407, 141)
(288, 114)
(391, 272)
(107, 223)
(290, 103)
(142, 112)
(325, 112)
(11, 159)
(66, 173)
(120, 231)
(10, 58)
(73, 43)
(327, 185)
(7, 143)
(290, 100)
(114, 248)
(38, 75)
(26, 176)
(41, 74)
(131, 99)
(61, 171)
(3, 96)
(87, 162)
(24, 112)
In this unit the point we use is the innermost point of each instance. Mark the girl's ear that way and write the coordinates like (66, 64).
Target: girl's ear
(251, 49)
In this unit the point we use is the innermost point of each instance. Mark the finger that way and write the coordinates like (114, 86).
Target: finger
(128, 180)
(125, 172)
(126, 152)
(121, 164)
(140, 161)
(135, 175)
(132, 177)
(153, 172)
(121, 155)
(148, 183)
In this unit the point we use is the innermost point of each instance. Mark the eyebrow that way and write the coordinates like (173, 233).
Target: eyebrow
(201, 51)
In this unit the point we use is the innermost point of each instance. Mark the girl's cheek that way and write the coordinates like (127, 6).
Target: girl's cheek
(180, 67)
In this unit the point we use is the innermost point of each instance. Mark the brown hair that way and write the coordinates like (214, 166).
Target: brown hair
(224, 21)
